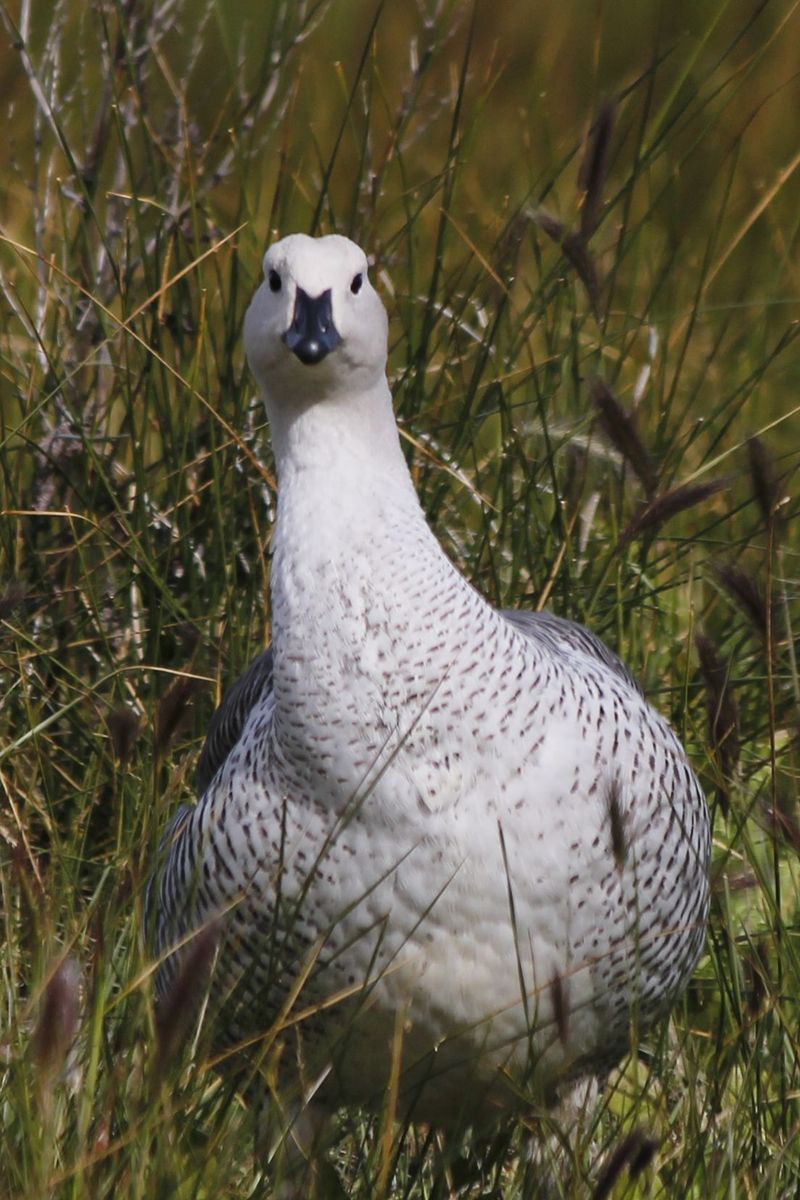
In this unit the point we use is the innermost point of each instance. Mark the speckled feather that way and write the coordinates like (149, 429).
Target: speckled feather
(459, 826)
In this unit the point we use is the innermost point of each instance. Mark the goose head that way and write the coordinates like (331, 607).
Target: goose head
(316, 325)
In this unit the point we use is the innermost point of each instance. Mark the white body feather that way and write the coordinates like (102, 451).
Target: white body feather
(484, 847)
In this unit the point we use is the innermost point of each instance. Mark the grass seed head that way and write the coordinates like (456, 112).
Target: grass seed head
(619, 427)
(635, 1151)
(59, 1015)
(748, 594)
(660, 509)
(594, 167)
(766, 486)
(123, 728)
(172, 707)
(177, 1008)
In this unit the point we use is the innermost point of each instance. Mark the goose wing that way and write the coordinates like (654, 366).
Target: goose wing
(561, 634)
(229, 719)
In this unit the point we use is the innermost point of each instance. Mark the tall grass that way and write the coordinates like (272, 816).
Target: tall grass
(594, 312)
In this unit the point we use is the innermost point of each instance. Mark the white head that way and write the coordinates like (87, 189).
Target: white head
(316, 325)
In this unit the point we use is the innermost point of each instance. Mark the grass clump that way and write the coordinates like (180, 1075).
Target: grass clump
(585, 229)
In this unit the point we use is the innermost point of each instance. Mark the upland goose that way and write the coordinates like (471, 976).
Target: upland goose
(438, 835)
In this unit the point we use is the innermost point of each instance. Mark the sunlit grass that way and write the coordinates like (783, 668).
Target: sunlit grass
(152, 158)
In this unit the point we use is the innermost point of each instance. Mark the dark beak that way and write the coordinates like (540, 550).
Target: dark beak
(312, 333)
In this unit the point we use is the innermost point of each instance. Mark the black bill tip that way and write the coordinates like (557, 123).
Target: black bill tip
(312, 334)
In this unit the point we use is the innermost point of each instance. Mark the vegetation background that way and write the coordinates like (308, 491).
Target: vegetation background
(553, 196)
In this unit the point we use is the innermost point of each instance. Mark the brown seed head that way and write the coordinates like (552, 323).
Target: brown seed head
(594, 167)
(179, 1006)
(661, 508)
(172, 707)
(766, 487)
(635, 1152)
(620, 429)
(58, 1018)
(123, 729)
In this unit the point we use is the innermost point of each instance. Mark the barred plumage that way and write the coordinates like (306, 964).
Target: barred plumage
(463, 824)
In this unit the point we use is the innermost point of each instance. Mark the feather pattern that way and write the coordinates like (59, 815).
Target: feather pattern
(415, 807)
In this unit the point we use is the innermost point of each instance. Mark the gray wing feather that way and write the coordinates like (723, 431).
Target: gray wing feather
(228, 721)
(558, 633)
(154, 906)
(172, 885)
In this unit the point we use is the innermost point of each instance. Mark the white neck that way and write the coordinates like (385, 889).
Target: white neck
(356, 572)
(346, 508)
(370, 619)
(340, 434)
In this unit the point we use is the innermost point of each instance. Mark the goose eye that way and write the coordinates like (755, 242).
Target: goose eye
(355, 286)
(274, 281)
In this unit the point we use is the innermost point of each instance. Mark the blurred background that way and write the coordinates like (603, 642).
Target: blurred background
(583, 218)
